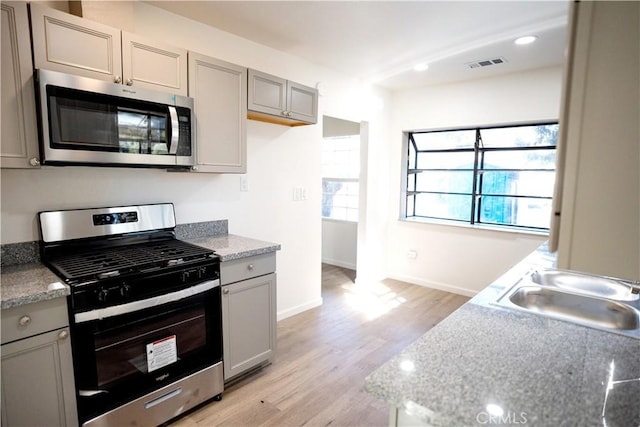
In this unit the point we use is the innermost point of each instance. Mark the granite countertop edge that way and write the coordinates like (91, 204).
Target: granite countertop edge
(231, 247)
(549, 371)
(31, 281)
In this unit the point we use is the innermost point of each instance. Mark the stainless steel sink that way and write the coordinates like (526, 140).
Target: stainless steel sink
(580, 308)
(586, 284)
(599, 302)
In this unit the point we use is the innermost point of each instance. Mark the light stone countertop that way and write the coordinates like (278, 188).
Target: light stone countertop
(230, 246)
(538, 371)
(33, 282)
(29, 283)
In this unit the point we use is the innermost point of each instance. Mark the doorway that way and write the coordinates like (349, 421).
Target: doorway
(341, 191)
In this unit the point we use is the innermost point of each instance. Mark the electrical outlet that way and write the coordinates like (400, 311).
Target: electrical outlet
(244, 183)
(412, 254)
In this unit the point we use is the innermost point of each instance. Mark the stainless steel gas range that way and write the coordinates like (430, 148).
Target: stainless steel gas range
(144, 311)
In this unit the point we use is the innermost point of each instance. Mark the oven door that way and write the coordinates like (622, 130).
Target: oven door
(126, 351)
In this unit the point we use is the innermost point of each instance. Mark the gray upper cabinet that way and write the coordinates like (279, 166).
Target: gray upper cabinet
(37, 370)
(219, 90)
(276, 100)
(19, 138)
(74, 45)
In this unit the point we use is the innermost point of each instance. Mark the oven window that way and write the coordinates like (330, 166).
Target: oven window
(148, 344)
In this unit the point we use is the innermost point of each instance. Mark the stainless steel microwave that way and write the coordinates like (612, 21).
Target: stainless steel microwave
(85, 121)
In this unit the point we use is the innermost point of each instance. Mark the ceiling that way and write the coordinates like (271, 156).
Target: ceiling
(381, 41)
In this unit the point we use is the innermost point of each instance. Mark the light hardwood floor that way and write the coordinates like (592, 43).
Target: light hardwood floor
(324, 354)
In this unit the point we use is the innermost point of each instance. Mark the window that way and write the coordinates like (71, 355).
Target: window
(340, 172)
(498, 176)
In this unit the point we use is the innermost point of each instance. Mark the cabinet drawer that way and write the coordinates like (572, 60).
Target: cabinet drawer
(246, 268)
(32, 319)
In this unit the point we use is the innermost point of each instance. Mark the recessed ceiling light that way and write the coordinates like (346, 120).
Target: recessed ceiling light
(526, 40)
(421, 67)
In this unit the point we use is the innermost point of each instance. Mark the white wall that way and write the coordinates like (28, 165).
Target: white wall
(279, 158)
(339, 243)
(459, 259)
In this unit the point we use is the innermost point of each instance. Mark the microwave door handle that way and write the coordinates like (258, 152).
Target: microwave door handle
(175, 130)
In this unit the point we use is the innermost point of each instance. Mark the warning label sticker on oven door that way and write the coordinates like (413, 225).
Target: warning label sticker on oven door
(162, 353)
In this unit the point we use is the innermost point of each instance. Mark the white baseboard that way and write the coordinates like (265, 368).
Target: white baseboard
(435, 285)
(299, 309)
(339, 263)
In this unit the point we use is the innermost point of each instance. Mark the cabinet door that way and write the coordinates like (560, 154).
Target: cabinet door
(19, 139)
(69, 44)
(249, 323)
(149, 64)
(37, 381)
(267, 93)
(219, 90)
(302, 102)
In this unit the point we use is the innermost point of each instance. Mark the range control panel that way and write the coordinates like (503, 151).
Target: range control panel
(115, 218)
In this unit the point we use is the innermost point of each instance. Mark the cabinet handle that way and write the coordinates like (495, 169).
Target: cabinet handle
(250, 266)
(117, 79)
(24, 320)
(129, 82)
(225, 291)
(34, 161)
(63, 335)
(285, 113)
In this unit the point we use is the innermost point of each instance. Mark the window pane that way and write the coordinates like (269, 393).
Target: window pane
(520, 136)
(411, 182)
(445, 181)
(412, 157)
(526, 183)
(522, 212)
(445, 140)
(410, 206)
(528, 159)
(341, 157)
(455, 160)
(445, 206)
(340, 199)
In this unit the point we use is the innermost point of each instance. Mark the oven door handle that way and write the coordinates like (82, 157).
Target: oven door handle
(116, 310)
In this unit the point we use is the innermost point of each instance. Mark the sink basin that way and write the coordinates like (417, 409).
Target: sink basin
(585, 284)
(583, 309)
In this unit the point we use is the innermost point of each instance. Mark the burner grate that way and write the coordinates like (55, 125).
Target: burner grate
(124, 259)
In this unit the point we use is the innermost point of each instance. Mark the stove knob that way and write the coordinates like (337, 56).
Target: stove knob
(103, 295)
(125, 290)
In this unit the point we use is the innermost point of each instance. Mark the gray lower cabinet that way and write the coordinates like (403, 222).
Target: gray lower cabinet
(37, 370)
(248, 313)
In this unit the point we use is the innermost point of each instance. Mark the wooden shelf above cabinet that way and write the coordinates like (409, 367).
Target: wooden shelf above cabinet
(278, 120)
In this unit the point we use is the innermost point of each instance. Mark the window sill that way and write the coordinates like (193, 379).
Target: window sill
(483, 227)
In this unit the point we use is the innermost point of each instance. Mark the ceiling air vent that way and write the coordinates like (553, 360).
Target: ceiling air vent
(487, 62)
